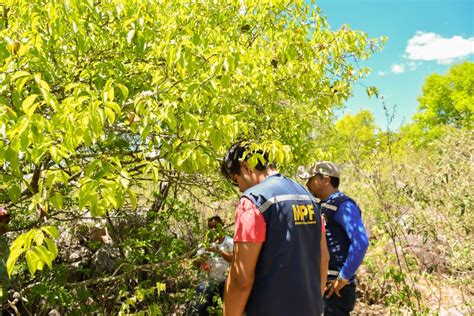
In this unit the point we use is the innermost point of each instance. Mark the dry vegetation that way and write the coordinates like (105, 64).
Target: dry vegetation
(418, 207)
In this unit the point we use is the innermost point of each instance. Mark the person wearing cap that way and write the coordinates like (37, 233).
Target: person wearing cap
(345, 234)
(4, 253)
(280, 258)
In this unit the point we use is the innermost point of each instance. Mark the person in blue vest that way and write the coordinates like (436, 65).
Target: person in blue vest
(280, 257)
(345, 234)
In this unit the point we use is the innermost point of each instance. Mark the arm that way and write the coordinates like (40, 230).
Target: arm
(250, 231)
(226, 255)
(324, 262)
(225, 250)
(348, 216)
(241, 277)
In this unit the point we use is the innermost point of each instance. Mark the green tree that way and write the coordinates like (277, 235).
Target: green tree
(99, 98)
(353, 137)
(448, 99)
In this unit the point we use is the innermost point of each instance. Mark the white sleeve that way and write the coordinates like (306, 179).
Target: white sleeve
(200, 251)
(228, 244)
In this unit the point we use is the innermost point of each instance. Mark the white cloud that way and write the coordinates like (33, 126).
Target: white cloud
(432, 46)
(398, 68)
(381, 73)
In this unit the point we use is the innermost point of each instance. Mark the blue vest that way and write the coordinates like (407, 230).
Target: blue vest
(336, 237)
(287, 275)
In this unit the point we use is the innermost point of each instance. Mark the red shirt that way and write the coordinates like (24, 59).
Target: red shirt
(250, 226)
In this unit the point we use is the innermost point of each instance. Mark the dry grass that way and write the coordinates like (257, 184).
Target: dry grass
(418, 208)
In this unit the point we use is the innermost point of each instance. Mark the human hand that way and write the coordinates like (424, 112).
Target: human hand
(335, 286)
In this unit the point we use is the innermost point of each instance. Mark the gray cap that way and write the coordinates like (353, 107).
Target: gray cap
(322, 167)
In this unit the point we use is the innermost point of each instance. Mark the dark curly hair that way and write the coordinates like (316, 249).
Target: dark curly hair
(231, 163)
(216, 219)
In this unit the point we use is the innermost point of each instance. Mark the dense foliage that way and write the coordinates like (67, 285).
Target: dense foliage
(113, 115)
(446, 100)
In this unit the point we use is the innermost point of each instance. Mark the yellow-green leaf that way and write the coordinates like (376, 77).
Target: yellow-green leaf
(51, 230)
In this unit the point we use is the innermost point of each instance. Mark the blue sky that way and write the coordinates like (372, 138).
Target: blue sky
(424, 37)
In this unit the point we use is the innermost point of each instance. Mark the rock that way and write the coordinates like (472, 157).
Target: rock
(428, 254)
(77, 255)
(54, 312)
(104, 260)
